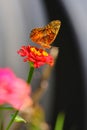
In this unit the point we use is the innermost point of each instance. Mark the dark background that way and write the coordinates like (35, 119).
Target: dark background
(69, 88)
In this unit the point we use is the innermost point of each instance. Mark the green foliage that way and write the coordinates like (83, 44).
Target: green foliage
(18, 119)
(60, 121)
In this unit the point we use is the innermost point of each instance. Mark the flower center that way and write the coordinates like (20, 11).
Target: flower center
(35, 51)
(45, 53)
(38, 52)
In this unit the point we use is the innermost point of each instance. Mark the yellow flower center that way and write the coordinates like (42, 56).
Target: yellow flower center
(45, 53)
(37, 52)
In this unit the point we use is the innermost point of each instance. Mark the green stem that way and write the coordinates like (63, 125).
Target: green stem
(1, 120)
(12, 120)
(30, 74)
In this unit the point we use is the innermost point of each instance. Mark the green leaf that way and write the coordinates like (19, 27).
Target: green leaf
(4, 107)
(18, 118)
(60, 121)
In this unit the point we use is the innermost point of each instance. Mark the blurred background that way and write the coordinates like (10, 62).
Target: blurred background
(67, 84)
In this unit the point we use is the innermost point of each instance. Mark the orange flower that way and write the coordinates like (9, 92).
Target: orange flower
(36, 55)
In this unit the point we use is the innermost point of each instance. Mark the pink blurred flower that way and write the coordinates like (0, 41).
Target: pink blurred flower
(13, 90)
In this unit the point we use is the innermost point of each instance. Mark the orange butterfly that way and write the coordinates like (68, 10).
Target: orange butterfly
(46, 35)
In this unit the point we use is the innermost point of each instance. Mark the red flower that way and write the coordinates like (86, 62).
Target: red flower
(35, 55)
(13, 90)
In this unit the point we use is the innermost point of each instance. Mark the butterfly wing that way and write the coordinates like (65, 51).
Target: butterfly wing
(46, 35)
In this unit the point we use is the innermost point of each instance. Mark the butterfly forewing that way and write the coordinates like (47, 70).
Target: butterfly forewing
(46, 35)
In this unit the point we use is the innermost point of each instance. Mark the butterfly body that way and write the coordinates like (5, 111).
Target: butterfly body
(46, 35)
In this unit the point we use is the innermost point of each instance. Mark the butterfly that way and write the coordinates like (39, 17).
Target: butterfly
(45, 36)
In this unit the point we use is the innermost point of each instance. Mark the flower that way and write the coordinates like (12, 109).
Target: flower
(13, 90)
(35, 55)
